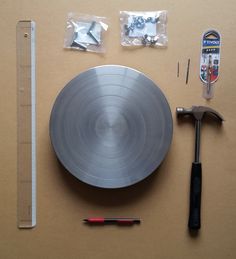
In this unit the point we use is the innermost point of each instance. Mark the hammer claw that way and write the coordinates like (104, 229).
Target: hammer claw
(198, 112)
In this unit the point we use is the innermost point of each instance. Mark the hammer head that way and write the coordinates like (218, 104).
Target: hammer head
(198, 112)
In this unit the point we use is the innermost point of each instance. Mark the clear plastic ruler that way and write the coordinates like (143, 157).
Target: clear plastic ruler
(26, 139)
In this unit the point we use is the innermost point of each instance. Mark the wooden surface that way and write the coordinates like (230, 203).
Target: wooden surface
(161, 201)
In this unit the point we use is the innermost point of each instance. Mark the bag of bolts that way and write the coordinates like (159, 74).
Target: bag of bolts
(143, 28)
(85, 32)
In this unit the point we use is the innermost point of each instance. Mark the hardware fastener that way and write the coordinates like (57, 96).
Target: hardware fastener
(90, 32)
(76, 44)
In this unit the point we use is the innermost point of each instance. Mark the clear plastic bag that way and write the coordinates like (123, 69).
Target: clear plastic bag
(85, 32)
(143, 28)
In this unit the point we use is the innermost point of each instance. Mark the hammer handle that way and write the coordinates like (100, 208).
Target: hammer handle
(194, 222)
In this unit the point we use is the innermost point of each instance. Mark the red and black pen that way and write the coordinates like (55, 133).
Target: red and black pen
(129, 221)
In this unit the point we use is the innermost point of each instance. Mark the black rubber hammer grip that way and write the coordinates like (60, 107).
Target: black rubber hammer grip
(194, 222)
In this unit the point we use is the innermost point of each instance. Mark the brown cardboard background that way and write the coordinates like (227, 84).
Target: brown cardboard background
(162, 199)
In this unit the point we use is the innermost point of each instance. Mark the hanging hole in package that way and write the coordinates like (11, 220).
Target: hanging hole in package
(144, 28)
(85, 32)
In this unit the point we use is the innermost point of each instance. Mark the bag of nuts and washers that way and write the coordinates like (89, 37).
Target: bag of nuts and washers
(143, 28)
(85, 32)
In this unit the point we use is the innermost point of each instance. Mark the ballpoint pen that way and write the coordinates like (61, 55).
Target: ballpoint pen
(129, 221)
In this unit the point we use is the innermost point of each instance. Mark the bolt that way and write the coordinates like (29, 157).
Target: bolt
(75, 44)
(93, 37)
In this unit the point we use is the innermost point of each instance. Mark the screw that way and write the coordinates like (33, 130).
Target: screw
(93, 37)
(78, 45)
(92, 26)
(90, 32)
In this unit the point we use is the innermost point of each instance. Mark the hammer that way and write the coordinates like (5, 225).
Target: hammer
(197, 112)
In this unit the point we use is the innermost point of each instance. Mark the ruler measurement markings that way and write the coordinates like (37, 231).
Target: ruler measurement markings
(26, 168)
